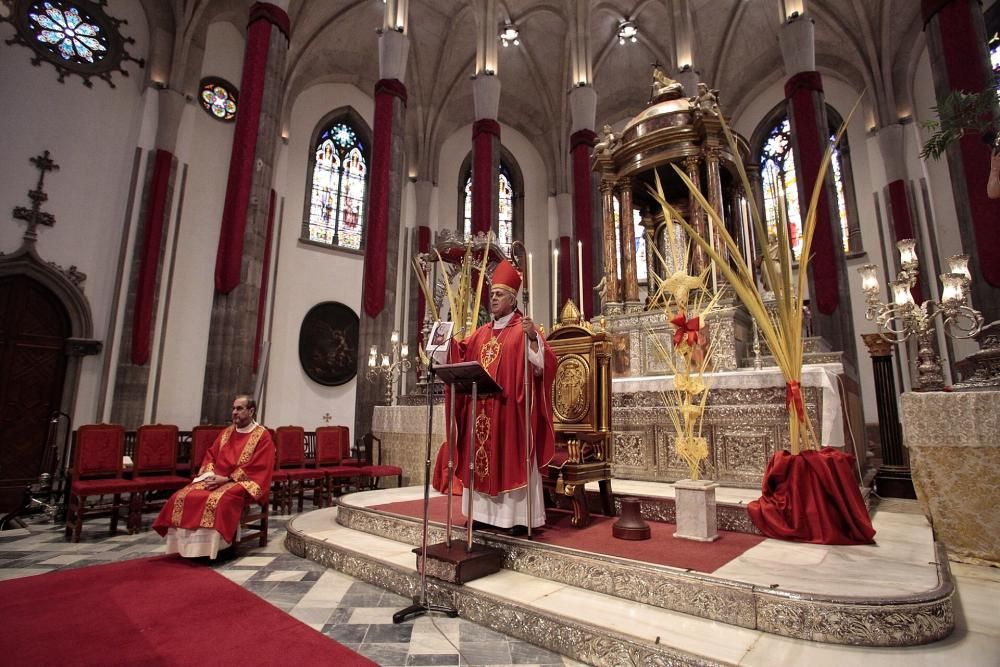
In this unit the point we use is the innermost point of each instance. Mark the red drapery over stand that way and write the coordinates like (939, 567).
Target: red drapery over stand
(229, 258)
(963, 61)
(152, 243)
(802, 92)
(377, 236)
(484, 180)
(264, 274)
(581, 145)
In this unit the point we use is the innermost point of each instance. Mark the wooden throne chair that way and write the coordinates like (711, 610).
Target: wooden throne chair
(581, 411)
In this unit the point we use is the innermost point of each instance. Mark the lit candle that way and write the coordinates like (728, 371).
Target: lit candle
(869, 279)
(385, 361)
(579, 270)
(953, 290)
(959, 264)
(907, 252)
(394, 338)
(404, 350)
(529, 289)
(555, 286)
(901, 293)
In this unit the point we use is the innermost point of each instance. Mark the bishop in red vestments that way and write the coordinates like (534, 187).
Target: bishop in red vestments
(500, 442)
(203, 517)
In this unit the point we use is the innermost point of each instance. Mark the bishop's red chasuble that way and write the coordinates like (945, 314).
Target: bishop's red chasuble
(248, 460)
(499, 437)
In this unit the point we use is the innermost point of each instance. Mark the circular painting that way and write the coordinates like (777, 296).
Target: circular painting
(328, 343)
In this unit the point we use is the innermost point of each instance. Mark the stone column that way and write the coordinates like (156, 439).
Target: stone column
(583, 108)
(699, 260)
(630, 281)
(612, 288)
(956, 42)
(485, 152)
(378, 317)
(893, 478)
(714, 186)
(128, 405)
(810, 131)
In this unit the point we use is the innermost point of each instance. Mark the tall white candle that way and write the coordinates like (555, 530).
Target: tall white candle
(530, 288)
(555, 286)
(579, 267)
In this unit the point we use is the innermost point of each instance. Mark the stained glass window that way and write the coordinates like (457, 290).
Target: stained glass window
(61, 28)
(339, 181)
(640, 241)
(505, 222)
(995, 58)
(781, 193)
(218, 98)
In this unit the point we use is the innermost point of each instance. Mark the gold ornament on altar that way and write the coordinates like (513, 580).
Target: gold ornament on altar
(570, 395)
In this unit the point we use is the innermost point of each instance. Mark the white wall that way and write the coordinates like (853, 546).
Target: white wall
(308, 275)
(91, 134)
(204, 145)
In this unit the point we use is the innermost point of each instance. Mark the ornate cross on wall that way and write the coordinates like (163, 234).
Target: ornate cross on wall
(34, 216)
(327, 417)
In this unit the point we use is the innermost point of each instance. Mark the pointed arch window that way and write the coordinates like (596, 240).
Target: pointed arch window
(780, 187)
(338, 186)
(507, 225)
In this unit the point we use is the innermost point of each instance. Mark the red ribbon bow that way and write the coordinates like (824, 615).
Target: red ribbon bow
(686, 327)
(793, 396)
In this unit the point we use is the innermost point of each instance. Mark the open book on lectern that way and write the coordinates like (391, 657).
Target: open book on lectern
(464, 374)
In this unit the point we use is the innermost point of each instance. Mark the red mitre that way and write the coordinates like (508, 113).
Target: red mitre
(506, 277)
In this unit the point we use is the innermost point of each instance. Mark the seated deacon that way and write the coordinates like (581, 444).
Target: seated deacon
(202, 518)
(502, 485)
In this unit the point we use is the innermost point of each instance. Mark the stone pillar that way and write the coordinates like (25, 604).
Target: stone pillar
(583, 109)
(810, 131)
(612, 288)
(485, 153)
(699, 260)
(378, 317)
(128, 405)
(630, 281)
(956, 42)
(893, 478)
(714, 186)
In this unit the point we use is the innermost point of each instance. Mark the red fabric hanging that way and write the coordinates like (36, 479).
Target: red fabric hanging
(377, 235)
(902, 223)
(265, 272)
(581, 145)
(484, 178)
(812, 497)
(145, 291)
(810, 146)
(229, 257)
(960, 46)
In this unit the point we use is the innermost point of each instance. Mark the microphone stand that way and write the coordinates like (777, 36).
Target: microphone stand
(420, 605)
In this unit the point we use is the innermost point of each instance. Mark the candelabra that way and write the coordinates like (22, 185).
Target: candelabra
(393, 362)
(903, 319)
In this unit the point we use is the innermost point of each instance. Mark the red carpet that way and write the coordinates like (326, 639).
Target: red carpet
(660, 549)
(153, 611)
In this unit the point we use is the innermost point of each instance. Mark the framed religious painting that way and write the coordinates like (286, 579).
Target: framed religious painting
(328, 343)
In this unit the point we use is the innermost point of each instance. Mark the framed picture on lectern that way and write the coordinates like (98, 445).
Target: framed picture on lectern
(439, 341)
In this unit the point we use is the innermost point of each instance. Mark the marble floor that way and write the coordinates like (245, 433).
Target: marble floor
(350, 611)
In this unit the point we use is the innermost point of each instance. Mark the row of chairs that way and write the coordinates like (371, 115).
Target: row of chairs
(98, 471)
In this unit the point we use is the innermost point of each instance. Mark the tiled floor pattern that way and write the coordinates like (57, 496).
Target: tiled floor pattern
(350, 611)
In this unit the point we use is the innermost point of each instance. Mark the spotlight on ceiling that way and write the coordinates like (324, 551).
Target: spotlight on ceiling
(627, 31)
(509, 35)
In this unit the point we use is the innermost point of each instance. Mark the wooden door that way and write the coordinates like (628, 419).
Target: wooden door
(34, 326)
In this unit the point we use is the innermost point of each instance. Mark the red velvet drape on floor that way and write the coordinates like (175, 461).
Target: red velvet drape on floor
(812, 497)
(264, 275)
(229, 258)
(484, 178)
(377, 236)
(967, 71)
(581, 145)
(801, 91)
(152, 243)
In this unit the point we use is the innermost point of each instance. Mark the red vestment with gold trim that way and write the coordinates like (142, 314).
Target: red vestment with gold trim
(248, 460)
(499, 432)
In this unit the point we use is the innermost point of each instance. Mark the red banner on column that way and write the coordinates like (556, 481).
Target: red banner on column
(484, 178)
(145, 291)
(377, 235)
(581, 145)
(800, 92)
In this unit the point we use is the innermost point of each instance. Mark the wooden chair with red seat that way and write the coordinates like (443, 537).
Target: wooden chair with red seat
(97, 471)
(347, 457)
(377, 471)
(290, 443)
(202, 437)
(153, 468)
(331, 445)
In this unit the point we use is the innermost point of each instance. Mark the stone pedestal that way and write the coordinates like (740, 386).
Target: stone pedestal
(954, 444)
(695, 501)
(403, 431)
